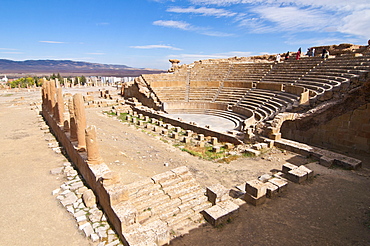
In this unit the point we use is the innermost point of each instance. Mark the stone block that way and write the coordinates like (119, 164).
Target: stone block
(161, 177)
(254, 200)
(201, 144)
(271, 190)
(126, 213)
(275, 136)
(279, 175)
(161, 231)
(255, 188)
(297, 175)
(326, 161)
(189, 133)
(170, 182)
(348, 162)
(217, 215)
(216, 149)
(270, 143)
(265, 177)
(187, 139)
(217, 193)
(89, 199)
(253, 152)
(282, 184)
(288, 167)
(69, 199)
(229, 146)
(214, 140)
(175, 135)
(87, 229)
(144, 216)
(230, 207)
(164, 131)
(110, 178)
(180, 170)
(117, 193)
(309, 172)
(201, 137)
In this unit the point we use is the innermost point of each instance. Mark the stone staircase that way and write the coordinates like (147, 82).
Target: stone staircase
(160, 208)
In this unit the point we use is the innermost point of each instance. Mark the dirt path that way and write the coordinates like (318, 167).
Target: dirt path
(30, 215)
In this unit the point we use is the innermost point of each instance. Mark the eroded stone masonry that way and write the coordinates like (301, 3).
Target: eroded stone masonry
(291, 105)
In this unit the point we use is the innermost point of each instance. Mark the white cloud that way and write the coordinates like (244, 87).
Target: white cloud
(357, 23)
(7, 49)
(188, 27)
(293, 18)
(52, 42)
(174, 24)
(203, 11)
(347, 17)
(217, 34)
(155, 46)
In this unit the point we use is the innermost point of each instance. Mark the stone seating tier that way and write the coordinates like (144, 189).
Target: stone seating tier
(206, 81)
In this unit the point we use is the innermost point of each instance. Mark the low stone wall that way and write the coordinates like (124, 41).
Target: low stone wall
(238, 84)
(270, 86)
(200, 130)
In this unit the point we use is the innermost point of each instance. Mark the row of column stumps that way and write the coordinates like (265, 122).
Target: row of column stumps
(52, 99)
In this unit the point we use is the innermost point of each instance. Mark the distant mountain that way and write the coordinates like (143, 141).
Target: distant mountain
(69, 68)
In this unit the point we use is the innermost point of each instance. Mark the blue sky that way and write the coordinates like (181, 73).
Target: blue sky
(146, 33)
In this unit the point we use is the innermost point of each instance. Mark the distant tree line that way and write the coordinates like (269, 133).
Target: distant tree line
(26, 82)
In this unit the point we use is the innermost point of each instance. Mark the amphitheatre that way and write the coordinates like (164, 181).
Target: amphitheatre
(238, 151)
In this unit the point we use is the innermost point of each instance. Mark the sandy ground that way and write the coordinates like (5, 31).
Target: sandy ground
(30, 215)
(333, 209)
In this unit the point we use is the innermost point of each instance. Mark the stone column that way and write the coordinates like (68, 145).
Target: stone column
(48, 97)
(52, 97)
(60, 107)
(80, 117)
(44, 95)
(93, 155)
(72, 122)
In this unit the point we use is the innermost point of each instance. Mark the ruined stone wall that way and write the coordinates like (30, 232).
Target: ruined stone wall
(139, 89)
(343, 126)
